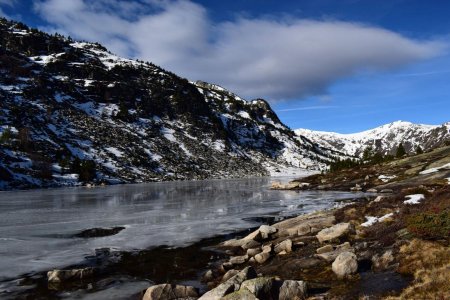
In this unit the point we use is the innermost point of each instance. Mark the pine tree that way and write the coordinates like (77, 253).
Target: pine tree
(419, 150)
(400, 151)
(6, 136)
(368, 154)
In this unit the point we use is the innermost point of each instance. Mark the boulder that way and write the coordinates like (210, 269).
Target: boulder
(266, 231)
(250, 244)
(170, 292)
(372, 191)
(285, 245)
(57, 276)
(231, 285)
(242, 294)
(261, 287)
(238, 260)
(262, 257)
(325, 249)
(267, 248)
(303, 229)
(234, 243)
(229, 274)
(345, 264)
(303, 223)
(335, 232)
(292, 290)
(253, 252)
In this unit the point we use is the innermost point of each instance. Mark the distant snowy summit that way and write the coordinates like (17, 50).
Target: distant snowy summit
(384, 139)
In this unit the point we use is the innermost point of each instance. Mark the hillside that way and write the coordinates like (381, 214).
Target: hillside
(73, 112)
(384, 139)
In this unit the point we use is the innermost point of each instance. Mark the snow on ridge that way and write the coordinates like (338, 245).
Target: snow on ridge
(388, 135)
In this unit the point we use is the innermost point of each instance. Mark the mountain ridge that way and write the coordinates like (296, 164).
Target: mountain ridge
(384, 138)
(72, 112)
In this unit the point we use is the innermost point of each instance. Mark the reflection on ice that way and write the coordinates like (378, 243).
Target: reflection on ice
(33, 224)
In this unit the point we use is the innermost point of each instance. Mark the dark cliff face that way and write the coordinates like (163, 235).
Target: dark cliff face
(72, 111)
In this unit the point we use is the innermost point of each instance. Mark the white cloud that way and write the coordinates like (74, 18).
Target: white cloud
(275, 59)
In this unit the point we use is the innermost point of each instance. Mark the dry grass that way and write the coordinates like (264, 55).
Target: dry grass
(429, 262)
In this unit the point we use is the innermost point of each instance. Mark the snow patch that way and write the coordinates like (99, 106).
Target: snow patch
(437, 169)
(115, 151)
(414, 199)
(386, 178)
(372, 220)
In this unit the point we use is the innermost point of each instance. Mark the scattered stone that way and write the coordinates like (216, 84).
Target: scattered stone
(253, 252)
(386, 191)
(356, 188)
(331, 256)
(285, 245)
(372, 191)
(345, 264)
(238, 260)
(334, 232)
(99, 232)
(208, 276)
(231, 285)
(381, 263)
(306, 263)
(299, 244)
(325, 249)
(57, 276)
(170, 292)
(261, 287)
(282, 252)
(262, 257)
(292, 290)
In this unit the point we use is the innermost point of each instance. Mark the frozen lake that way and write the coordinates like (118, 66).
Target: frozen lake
(35, 226)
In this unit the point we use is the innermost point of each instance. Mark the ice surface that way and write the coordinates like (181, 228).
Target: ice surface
(35, 226)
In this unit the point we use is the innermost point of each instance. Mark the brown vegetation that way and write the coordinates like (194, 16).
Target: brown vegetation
(429, 262)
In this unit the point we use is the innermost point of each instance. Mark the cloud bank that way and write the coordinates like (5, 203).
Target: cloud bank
(266, 57)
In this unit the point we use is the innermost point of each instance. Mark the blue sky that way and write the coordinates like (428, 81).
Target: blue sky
(341, 66)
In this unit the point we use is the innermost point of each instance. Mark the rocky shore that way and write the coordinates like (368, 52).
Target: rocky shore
(392, 245)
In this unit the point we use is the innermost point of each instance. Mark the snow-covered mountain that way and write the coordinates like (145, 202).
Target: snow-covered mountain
(72, 110)
(384, 139)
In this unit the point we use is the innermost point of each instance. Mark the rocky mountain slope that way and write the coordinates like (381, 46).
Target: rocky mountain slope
(384, 139)
(72, 111)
